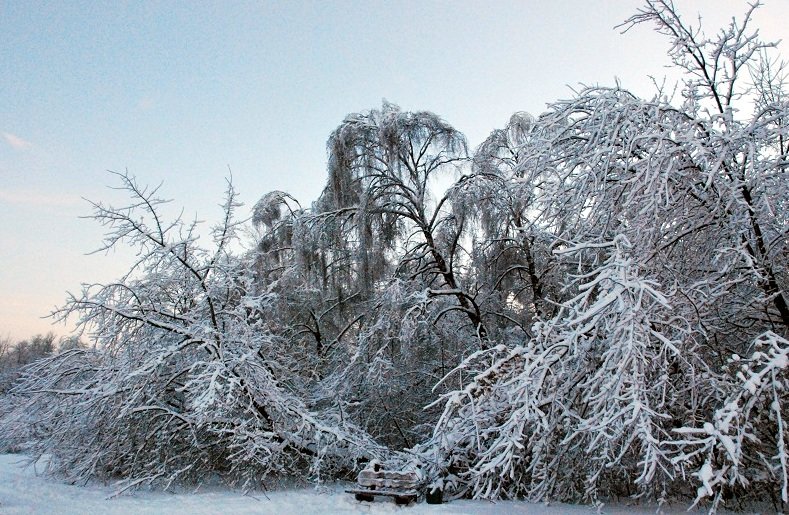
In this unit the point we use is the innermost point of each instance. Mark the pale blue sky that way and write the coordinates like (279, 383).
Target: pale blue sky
(179, 91)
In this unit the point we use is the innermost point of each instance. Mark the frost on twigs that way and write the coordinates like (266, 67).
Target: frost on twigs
(186, 379)
(590, 388)
(744, 443)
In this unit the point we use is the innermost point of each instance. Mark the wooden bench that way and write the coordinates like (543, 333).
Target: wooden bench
(377, 481)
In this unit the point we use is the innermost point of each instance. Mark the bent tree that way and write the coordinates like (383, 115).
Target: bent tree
(698, 192)
(186, 377)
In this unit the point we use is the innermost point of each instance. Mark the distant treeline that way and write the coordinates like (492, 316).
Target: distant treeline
(16, 354)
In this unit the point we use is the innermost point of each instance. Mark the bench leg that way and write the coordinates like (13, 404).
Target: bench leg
(434, 496)
(364, 497)
(404, 500)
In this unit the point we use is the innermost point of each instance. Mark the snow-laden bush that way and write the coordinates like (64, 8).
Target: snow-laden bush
(742, 448)
(582, 409)
(647, 241)
(186, 379)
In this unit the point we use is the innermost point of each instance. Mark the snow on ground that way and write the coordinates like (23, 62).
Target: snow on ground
(22, 491)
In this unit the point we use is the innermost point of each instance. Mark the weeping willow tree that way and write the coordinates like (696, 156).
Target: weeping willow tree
(382, 170)
(512, 249)
(393, 269)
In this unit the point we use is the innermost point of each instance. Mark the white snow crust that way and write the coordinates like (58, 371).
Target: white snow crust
(22, 491)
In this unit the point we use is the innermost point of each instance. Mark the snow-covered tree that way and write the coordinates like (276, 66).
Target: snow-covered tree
(187, 377)
(742, 449)
(584, 404)
(382, 168)
(648, 243)
(383, 294)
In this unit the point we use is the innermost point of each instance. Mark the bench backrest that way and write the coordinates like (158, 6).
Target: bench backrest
(388, 479)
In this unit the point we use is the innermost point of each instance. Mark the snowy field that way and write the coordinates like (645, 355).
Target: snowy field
(21, 491)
